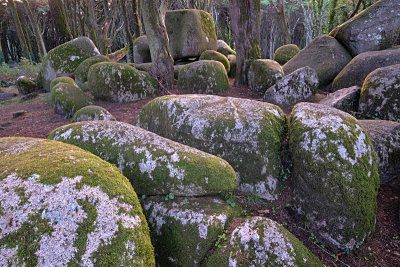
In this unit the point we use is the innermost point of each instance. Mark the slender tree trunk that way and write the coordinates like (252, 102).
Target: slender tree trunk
(281, 9)
(137, 22)
(127, 30)
(357, 8)
(59, 15)
(153, 12)
(3, 40)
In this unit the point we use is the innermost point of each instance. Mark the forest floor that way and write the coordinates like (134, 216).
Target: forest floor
(38, 120)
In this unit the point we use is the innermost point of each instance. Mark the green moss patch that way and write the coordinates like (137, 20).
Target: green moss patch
(82, 70)
(285, 53)
(214, 55)
(67, 99)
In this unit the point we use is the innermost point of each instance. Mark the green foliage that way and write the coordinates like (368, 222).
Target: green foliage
(24, 68)
(169, 196)
(221, 239)
(230, 199)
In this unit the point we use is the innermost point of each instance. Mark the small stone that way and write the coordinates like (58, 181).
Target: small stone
(19, 113)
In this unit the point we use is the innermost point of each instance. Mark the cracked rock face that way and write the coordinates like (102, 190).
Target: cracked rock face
(335, 176)
(61, 205)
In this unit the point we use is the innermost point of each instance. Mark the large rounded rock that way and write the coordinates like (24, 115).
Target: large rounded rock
(141, 50)
(380, 93)
(62, 206)
(285, 53)
(82, 70)
(63, 79)
(203, 77)
(345, 99)
(325, 55)
(335, 177)
(64, 59)
(259, 241)
(92, 113)
(359, 67)
(117, 82)
(246, 133)
(153, 164)
(262, 74)
(217, 56)
(375, 28)
(67, 99)
(224, 48)
(25, 85)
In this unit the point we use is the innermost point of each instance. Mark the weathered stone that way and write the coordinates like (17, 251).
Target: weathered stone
(262, 74)
(285, 53)
(67, 99)
(25, 85)
(224, 48)
(295, 87)
(92, 113)
(376, 28)
(359, 67)
(246, 133)
(63, 80)
(177, 69)
(217, 56)
(153, 164)
(184, 230)
(259, 241)
(385, 136)
(232, 63)
(141, 50)
(62, 206)
(203, 77)
(380, 93)
(335, 177)
(142, 66)
(345, 99)
(5, 97)
(325, 55)
(82, 70)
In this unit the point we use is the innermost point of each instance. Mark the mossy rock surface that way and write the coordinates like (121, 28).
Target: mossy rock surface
(325, 55)
(141, 50)
(67, 99)
(375, 28)
(190, 32)
(25, 85)
(92, 113)
(154, 165)
(63, 206)
(345, 99)
(295, 87)
(380, 93)
(64, 59)
(203, 77)
(262, 74)
(232, 62)
(142, 66)
(63, 79)
(82, 70)
(335, 177)
(285, 53)
(184, 230)
(259, 241)
(217, 56)
(117, 82)
(224, 48)
(248, 134)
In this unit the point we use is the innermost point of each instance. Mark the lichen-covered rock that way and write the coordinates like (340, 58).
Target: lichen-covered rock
(92, 113)
(67, 99)
(359, 67)
(295, 87)
(262, 74)
(335, 177)
(142, 66)
(325, 55)
(117, 82)
(345, 99)
(203, 77)
(82, 70)
(217, 56)
(64, 59)
(63, 206)
(385, 136)
(232, 63)
(67, 80)
(25, 85)
(285, 53)
(246, 133)
(224, 48)
(190, 32)
(184, 230)
(380, 93)
(259, 241)
(153, 164)
(141, 50)
(375, 28)
(177, 69)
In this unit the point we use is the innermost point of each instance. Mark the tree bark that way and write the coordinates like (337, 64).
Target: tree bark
(281, 9)
(3, 40)
(137, 22)
(127, 30)
(59, 15)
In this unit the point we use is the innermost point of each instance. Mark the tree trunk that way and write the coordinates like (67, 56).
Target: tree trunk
(59, 15)
(127, 30)
(246, 27)
(3, 40)
(281, 9)
(153, 12)
(137, 23)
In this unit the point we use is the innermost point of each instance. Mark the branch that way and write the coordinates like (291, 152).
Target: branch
(356, 9)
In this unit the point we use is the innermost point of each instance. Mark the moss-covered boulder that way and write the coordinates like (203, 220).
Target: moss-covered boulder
(375, 28)
(295, 87)
(141, 50)
(64, 59)
(345, 99)
(380, 93)
(259, 241)
(385, 136)
(63, 79)
(203, 77)
(248, 134)
(325, 55)
(184, 230)
(67, 99)
(359, 67)
(224, 48)
(117, 82)
(25, 85)
(92, 113)
(262, 74)
(232, 63)
(153, 164)
(285, 53)
(335, 177)
(63, 206)
(217, 56)
(190, 32)
(142, 66)
(82, 70)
